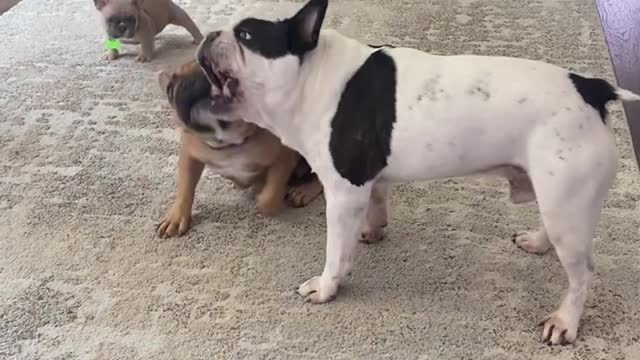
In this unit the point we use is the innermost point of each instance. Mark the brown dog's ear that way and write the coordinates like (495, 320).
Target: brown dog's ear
(100, 3)
(164, 78)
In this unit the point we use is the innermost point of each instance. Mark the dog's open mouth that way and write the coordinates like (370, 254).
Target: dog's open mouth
(222, 83)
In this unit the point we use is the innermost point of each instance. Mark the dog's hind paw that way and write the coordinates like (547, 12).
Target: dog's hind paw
(372, 235)
(535, 242)
(558, 331)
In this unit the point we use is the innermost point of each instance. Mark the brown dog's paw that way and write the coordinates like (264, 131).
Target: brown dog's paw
(110, 56)
(143, 58)
(303, 195)
(175, 222)
(268, 205)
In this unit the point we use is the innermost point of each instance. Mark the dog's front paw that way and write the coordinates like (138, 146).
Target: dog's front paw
(558, 330)
(175, 222)
(318, 290)
(143, 58)
(535, 242)
(110, 55)
(268, 204)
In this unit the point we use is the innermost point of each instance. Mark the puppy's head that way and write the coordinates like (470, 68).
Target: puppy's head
(215, 122)
(119, 17)
(257, 57)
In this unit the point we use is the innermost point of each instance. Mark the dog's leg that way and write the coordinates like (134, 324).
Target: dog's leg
(181, 18)
(147, 45)
(373, 230)
(177, 220)
(571, 192)
(270, 198)
(346, 212)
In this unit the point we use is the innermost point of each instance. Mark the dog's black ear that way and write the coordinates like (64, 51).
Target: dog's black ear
(306, 24)
(100, 4)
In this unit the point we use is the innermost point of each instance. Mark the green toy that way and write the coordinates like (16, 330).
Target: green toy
(113, 44)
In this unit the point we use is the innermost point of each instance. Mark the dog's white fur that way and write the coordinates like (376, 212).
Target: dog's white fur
(535, 119)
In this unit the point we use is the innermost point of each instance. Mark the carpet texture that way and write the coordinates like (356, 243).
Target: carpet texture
(87, 168)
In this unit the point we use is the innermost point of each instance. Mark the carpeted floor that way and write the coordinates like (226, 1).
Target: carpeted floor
(87, 163)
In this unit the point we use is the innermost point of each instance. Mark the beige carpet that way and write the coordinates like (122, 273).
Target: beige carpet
(87, 163)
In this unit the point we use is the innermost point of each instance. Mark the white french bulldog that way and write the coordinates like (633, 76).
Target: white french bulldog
(365, 117)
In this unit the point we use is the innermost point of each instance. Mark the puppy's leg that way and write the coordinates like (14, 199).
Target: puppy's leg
(346, 213)
(178, 218)
(270, 198)
(181, 18)
(571, 192)
(303, 194)
(147, 44)
(373, 230)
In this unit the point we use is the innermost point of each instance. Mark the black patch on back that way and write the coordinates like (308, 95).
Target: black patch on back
(186, 92)
(595, 92)
(381, 46)
(361, 129)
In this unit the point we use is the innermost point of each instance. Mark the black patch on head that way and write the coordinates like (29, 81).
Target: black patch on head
(269, 39)
(294, 36)
(595, 92)
(186, 91)
(361, 129)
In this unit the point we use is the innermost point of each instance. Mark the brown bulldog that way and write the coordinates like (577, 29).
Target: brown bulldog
(237, 150)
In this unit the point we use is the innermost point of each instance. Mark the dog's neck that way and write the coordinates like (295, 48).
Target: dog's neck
(311, 100)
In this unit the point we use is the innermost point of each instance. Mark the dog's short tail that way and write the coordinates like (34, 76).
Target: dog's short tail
(626, 95)
(598, 92)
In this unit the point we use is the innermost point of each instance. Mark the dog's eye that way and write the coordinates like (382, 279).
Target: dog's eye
(244, 34)
(224, 124)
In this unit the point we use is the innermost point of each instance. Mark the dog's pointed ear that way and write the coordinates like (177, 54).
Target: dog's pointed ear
(100, 4)
(306, 25)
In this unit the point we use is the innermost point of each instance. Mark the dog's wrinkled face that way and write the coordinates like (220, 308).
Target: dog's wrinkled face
(120, 17)
(258, 57)
(188, 92)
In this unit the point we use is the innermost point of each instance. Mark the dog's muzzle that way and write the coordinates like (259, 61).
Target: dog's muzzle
(209, 57)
